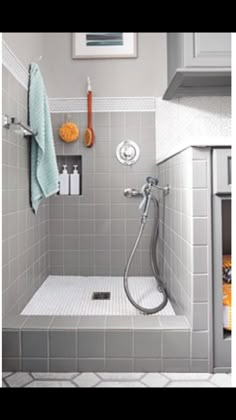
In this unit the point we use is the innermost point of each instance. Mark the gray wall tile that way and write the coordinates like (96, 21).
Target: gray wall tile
(200, 231)
(176, 344)
(176, 365)
(20, 224)
(147, 365)
(200, 316)
(35, 365)
(119, 365)
(200, 365)
(91, 365)
(119, 344)
(34, 344)
(200, 284)
(147, 344)
(103, 209)
(11, 344)
(62, 365)
(62, 344)
(91, 344)
(11, 364)
(200, 345)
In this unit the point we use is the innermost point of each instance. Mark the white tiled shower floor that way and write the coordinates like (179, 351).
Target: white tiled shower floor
(72, 295)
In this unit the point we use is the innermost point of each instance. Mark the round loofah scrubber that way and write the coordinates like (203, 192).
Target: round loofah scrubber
(69, 132)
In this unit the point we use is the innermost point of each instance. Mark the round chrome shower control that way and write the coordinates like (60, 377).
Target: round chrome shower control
(128, 152)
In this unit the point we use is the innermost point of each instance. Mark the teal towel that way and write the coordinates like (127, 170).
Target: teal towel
(44, 171)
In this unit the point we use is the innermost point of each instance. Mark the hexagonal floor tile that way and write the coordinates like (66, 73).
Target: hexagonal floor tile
(125, 384)
(5, 374)
(4, 385)
(129, 376)
(190, 384)
(188, 376)
(51, 384)
(222, 380)
(86, 380)
(18, 380)
(50, 375)
(155, 380)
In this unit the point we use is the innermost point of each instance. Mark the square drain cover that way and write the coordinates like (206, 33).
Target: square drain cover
(101, 296)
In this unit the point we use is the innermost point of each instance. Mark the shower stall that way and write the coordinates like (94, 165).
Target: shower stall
(64, 304)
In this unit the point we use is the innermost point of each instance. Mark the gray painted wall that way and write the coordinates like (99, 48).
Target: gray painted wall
(25, 236)
(93, 234)
(144, 76)
(27, 46)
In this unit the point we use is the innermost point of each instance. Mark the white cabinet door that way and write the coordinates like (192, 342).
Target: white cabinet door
(207, 49)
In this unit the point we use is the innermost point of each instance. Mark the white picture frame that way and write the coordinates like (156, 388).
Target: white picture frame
(90, 45)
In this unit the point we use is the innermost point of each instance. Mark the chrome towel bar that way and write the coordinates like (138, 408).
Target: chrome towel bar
(8, 121)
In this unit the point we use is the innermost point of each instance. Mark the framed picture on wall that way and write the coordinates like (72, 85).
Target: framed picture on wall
(104, 45)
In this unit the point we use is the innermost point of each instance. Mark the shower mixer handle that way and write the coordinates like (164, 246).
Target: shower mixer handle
(132, 192)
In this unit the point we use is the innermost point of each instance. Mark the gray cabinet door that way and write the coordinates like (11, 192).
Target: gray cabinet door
(207, 49)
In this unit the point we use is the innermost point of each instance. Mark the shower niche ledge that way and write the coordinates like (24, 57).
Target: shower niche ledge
(70, 162)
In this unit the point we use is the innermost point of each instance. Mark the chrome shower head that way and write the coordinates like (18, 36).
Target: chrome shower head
(152, 181)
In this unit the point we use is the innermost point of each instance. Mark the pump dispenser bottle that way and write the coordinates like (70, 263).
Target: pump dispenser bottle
(75, 182)
(64, 181)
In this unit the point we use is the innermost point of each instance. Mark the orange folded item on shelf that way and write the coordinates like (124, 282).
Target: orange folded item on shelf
(227, 306)
(226, 268)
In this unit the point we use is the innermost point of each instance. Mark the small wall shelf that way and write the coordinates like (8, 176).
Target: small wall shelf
(70, 161)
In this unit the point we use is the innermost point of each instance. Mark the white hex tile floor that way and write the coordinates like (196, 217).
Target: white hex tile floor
(129, 376)
(18, 380)
(50, 384)
(191, 384)
(87, 380)
(222, 380)
(188, 376)
(126, 384)
(155, 380)
(5, 374)
(115, 380)
(51, 376)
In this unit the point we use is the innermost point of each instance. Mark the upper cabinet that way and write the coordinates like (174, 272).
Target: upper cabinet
(199, 63)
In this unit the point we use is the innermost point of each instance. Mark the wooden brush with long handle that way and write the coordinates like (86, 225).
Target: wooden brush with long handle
(89, 136)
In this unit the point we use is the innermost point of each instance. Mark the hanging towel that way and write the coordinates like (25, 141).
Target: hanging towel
(44, 171)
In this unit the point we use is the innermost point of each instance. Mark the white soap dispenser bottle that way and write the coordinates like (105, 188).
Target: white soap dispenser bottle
(75, 182)
(64, 181)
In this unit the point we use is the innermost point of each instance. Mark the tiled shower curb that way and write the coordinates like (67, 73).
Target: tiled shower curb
(97, 343)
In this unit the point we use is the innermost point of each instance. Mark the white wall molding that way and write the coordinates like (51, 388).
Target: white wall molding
(14, 66)
(122, 104)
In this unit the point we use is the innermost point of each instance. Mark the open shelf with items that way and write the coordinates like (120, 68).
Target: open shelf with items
(222, 258)
(70, 162)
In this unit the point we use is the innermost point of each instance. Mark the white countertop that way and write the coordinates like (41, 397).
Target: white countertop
(196, 142)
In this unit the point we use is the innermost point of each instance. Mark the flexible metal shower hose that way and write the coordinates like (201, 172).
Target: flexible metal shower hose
(154, 265)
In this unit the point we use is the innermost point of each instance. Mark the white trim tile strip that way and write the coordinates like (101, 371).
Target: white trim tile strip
(14, 66)
(122, 104)
(72, 295)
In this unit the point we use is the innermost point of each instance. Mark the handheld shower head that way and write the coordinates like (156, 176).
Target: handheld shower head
(152, 181)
